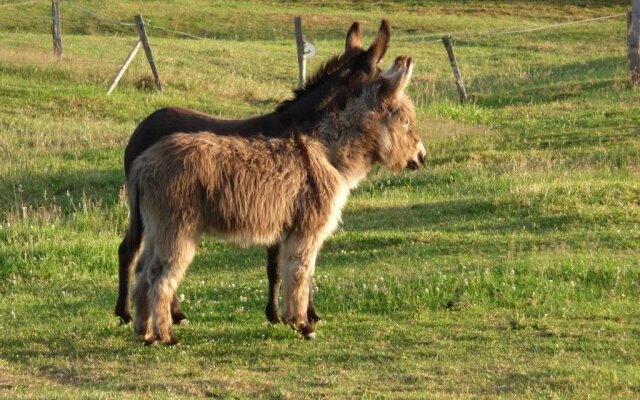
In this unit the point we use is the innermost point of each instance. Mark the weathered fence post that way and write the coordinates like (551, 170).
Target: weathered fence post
(56, 29)
(302, 64)
(446, 40)
(147, 49)
(124, 67)
(634, 43)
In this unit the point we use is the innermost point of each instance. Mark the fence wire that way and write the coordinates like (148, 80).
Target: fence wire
(20, 4)
(426, 38)
(470, 59)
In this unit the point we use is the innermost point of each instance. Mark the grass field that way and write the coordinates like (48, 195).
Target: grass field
(508, 267)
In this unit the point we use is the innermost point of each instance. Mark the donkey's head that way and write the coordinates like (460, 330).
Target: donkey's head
(397, 143)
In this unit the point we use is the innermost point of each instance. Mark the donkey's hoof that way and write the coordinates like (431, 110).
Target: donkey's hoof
(124, 318)
(178, 318)
(141, 330)
(308, 331)
(272, 316)
(312, 317)
(172, 341)
(182, 322)
(150, 342)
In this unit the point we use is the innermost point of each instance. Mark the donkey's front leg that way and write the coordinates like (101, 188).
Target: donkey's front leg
(312, 316)
(273, 273)
(297, 263)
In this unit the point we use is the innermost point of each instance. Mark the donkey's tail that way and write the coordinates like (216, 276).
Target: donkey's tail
(127, 253)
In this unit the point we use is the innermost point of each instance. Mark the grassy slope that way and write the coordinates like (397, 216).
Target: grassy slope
(508, 267)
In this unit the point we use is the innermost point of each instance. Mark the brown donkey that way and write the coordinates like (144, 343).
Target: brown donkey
(288, 192)
(291, 116)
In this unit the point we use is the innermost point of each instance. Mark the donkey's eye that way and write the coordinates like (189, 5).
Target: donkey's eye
(407, 125)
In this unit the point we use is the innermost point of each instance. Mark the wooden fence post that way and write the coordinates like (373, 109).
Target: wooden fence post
(56, 29)
(446, 40)
(124, 67)
(302, 64)
(634, 44)
(147, 49)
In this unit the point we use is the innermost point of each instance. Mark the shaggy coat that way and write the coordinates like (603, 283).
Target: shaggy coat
(288, 192)
(298, 114)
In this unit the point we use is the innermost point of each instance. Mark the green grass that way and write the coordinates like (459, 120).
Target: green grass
(508, 267)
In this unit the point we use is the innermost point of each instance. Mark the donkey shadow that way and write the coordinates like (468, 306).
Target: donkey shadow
(453, 216)
(548, 88)
(62, 193)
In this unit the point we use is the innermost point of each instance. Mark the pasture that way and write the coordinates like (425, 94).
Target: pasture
(508, 267)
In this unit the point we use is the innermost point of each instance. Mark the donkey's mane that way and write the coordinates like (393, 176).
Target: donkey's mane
(325, 71)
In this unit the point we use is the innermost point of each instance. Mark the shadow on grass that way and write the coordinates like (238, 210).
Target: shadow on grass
(62, 191)
(551, 84)
(460, 216)
(583, 139)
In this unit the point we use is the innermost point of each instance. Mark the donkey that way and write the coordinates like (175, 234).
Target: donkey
(258, 191)
(354, 65)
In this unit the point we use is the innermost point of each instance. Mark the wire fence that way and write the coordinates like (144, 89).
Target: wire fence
(427, 37)
(469, 57)
(24, 3)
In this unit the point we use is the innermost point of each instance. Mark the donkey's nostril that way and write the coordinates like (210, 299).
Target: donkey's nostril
(421, 158)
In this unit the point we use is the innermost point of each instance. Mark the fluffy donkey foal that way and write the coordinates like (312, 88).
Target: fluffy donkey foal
(291, 116)
(264, 192)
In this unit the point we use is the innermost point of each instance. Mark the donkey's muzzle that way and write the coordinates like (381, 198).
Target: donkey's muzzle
(417, 163)
(413, 165)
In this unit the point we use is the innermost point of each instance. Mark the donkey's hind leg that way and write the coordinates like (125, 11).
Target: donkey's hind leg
(126, 258)
(142, 320)
(164, 274)
(273, 274)
(176, 314)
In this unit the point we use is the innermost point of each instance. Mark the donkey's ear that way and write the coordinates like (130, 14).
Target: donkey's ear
(354, 38)
(380, 44)
(396, 79)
